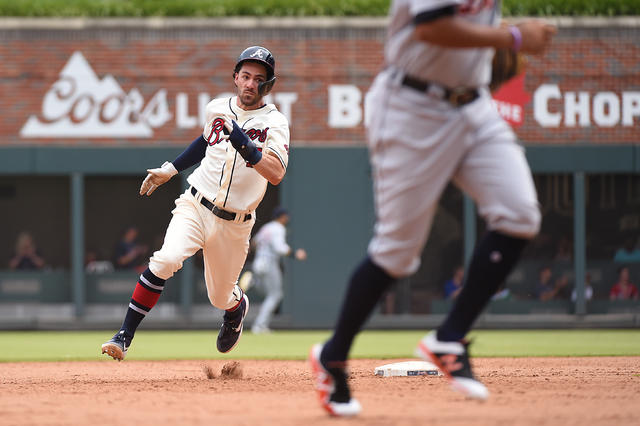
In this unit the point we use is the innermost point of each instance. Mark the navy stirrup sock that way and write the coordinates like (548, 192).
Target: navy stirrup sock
(366, 286)
(493, 259)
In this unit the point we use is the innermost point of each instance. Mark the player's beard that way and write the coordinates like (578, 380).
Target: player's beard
(250, 99)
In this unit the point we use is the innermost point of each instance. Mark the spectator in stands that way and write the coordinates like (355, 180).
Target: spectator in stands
(588, 289)
(628, 253)
(27, 255)
(453, 286)
(549, 289)
(624, 289)
(129, 254)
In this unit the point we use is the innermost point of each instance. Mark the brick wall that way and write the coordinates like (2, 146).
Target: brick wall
(142, 82)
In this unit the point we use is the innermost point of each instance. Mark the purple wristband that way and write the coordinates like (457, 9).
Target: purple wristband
(517, 37)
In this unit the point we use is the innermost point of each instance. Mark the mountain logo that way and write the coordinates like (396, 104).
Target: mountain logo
(81, 105)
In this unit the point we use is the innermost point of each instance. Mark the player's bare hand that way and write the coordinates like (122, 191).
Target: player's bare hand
(301, 254)
(536, 36)
(156, 177)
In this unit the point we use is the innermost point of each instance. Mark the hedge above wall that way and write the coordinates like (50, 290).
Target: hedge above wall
(208, 8)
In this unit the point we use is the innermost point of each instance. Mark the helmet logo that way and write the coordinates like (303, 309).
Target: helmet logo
(260, 53)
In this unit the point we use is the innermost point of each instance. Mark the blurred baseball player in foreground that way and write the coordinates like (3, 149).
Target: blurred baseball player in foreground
(244, 145)
(270, 245)
(431, 121)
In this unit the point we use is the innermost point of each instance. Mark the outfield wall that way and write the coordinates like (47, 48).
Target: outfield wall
(88, 105)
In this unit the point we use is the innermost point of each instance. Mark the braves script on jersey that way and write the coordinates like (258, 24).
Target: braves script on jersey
(223, 176)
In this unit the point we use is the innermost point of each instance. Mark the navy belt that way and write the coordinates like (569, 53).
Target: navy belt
(223, 214)
(457, 97)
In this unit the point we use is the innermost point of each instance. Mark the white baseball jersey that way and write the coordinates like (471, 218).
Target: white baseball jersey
(223, 177)
(270, 245)
(427, 62)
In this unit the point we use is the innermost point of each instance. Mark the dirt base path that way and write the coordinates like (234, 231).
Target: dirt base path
(531, 391)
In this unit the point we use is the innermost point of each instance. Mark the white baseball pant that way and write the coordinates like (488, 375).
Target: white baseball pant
(417, 144)
(224, 244)
(268, 274)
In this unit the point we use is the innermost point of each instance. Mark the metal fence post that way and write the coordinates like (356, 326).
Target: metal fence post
(579, 248)
(77, 242)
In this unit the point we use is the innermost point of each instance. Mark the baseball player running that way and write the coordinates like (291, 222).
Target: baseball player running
(431, 121)
(244, 145)
(270, 243)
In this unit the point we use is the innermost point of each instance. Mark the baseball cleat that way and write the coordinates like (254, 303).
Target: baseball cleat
(331, 386)
(231, 329)
(117, 347)
(452, 358)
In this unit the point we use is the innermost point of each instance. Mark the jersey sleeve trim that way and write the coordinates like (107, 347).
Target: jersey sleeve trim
(435, 14)
(279, 157)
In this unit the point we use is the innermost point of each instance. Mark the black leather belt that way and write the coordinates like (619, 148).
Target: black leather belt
(457, 97)
(223, 214)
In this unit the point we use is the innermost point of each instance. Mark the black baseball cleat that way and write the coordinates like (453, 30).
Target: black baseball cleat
(117, 347)
(331, 386)
(232, 325)
(452, 358)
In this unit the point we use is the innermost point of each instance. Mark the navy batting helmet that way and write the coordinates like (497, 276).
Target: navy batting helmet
(262, 56)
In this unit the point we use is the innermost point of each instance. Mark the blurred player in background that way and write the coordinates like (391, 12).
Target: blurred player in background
(244, 146)
(430, 120)
(270, 245)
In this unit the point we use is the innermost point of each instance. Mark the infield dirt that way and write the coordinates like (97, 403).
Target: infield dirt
(524, 391)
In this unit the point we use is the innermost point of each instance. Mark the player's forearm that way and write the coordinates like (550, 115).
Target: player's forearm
(451, 31)
(270, 168)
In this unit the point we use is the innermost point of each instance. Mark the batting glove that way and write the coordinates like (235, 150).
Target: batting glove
(157, 177)
(241, 142)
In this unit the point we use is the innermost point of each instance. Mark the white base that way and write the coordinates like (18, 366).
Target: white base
(407, 369)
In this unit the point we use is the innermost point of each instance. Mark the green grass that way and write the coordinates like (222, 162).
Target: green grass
(209, 8)
(165, 345)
